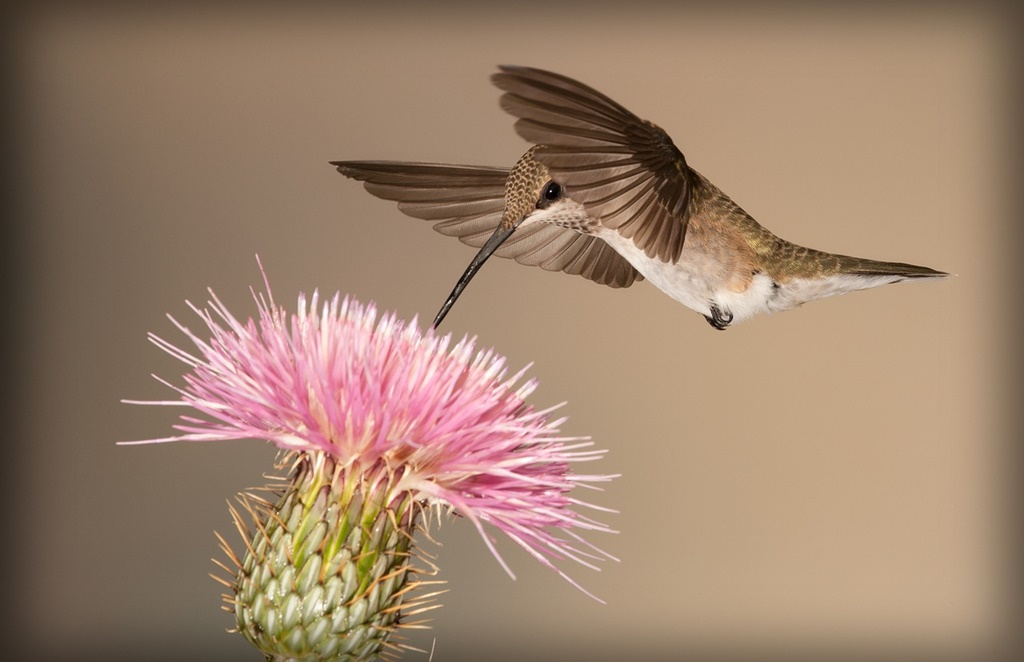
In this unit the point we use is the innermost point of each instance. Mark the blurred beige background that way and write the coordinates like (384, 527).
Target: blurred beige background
(829, 480)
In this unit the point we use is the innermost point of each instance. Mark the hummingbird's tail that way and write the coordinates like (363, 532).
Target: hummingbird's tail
(854, 266)
(791, 261)
(808, 274)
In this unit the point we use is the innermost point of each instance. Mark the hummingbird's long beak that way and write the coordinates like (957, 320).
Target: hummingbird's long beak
(497, 239)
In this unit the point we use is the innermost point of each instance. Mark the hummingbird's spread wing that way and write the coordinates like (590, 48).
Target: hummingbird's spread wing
(467, 202)
(624, 170)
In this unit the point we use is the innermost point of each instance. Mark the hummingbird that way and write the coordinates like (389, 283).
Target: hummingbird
(608, 196)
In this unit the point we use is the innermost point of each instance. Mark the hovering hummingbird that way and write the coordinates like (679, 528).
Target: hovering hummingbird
(607, 195)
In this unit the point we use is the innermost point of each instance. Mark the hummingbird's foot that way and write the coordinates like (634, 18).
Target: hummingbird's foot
(719, 318)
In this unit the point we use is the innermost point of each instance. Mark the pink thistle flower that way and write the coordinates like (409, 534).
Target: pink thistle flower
(376, 407)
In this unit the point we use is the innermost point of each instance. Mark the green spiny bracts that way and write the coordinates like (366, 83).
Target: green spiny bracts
(327, 568)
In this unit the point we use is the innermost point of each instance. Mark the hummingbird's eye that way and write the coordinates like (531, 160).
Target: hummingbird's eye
(552, 191)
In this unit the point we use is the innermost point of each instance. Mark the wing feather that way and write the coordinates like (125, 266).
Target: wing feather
(624, 170)
(467, 202)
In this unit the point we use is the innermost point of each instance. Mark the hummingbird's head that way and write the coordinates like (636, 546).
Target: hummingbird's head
(530, 196)
(525, 189)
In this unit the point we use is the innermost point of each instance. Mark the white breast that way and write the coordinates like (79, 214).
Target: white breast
(685, 282)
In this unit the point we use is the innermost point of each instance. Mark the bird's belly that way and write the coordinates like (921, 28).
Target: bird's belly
(696, 281)
(684, 281)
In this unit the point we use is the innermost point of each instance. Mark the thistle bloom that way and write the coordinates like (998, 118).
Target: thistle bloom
(376, 420)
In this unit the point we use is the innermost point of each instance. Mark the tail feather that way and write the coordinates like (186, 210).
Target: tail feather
(861, 267)
(789, 261)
